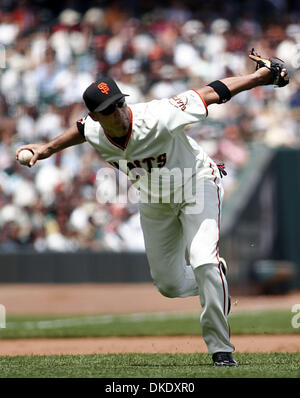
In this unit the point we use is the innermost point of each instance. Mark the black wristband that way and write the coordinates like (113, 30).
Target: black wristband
(222, 90)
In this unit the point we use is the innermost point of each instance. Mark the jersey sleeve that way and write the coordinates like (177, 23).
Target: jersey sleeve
(183, 109)
(81, 125)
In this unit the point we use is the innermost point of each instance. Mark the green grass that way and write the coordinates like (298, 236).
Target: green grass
(160, 324)
(280, 365)
(275, 365)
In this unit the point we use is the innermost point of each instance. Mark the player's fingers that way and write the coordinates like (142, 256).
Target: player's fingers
(283, 72)
(34, 159)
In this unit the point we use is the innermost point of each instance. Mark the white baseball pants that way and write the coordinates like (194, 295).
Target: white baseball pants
(169, 229)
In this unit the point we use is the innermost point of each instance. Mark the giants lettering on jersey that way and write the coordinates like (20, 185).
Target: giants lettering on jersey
(179, 102)
(145, 163)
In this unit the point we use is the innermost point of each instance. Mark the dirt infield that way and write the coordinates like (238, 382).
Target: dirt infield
(116, 298)
(166, 344)
(128, 298)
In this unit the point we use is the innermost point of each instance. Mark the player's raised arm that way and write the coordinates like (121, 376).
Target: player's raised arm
(69, 138)
(269, 71)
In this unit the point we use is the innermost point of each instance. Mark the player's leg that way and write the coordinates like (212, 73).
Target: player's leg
(202, 234)
(165, 248)
(213, 292)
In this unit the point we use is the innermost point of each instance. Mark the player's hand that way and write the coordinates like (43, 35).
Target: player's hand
(270, 70)
(40, 151)
(265, 76)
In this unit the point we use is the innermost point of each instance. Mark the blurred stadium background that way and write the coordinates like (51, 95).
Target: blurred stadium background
(53, 228)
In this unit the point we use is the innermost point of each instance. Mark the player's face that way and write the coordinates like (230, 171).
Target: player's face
(114, 120)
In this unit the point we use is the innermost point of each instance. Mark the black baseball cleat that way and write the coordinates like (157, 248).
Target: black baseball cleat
(223, 359)
(224, 270)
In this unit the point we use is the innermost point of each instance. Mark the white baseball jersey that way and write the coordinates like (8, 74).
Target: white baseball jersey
(155, 142)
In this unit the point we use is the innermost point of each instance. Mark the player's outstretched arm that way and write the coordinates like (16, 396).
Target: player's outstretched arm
(269, 71)
(40, 151)
(235, 85)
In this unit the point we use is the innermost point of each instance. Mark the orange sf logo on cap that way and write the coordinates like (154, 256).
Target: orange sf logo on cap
(103, 87)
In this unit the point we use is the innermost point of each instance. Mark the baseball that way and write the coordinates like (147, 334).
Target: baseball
(25, 156)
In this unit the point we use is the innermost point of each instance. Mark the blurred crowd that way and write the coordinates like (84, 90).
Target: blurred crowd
(48, 57)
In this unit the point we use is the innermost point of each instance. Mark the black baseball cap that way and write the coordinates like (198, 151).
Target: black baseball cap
(101, 93)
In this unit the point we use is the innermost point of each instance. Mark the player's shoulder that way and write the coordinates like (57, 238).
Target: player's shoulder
(151, 107)
(185, 102)
(143, 111)
(179, 101)
(86, 125)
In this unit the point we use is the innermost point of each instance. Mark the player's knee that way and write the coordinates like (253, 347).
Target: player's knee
(168, 289)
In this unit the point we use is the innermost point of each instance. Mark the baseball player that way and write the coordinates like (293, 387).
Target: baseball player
(148, 137)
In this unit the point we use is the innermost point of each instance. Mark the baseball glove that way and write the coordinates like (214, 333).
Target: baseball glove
(275, 65)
